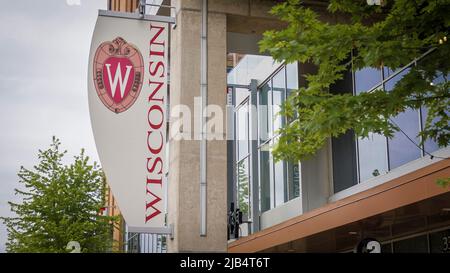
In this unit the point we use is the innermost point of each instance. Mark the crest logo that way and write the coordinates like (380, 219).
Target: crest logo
(118, 74)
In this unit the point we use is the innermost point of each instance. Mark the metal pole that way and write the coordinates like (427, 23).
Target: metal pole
(204, 97)
(254, 174)
(142, 7)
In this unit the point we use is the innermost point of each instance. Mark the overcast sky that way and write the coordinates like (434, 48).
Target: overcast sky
(44, 48)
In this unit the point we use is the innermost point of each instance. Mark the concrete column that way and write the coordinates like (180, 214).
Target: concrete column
(184, 166)
(316, 179)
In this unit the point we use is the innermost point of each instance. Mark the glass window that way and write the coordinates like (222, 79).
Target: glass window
(278, 93)
(279, 178)
(276, 186)
(252, 67)
(440, 78)
(372, 156)
(388, 72)
(291, 78)
(280, 183)
(243, 187)
(401, 147)
(366, 79)
(429, 145)
(389, 85)
(265, 123)
(265, 185)
(240, 95)
(242, 131)
(344, 161)
(413, 245)
(440, 242)
(293, 180)
(291, 81)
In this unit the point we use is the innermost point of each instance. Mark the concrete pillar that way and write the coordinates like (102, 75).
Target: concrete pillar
(184, 155)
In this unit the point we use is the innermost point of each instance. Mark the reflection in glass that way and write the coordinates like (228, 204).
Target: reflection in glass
(372, 156)
(264, 179)
(293, 180)
(366, 79)
(344, 161)
(280, 179)
(278, 92)
(242, 131)
(389, 85)
(251, 67)
(291, 78)
(240, 95)
(401, 149)
(264, 122)
(243, 187)
(429, 145)
(291, 81)
(388, 72)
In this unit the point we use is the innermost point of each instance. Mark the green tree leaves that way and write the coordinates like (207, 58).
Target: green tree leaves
(361, 36)
(61, 203)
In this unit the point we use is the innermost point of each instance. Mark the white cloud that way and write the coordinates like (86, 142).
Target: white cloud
(44, 48)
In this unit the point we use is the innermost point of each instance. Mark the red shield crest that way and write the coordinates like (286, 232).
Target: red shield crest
(118, 74)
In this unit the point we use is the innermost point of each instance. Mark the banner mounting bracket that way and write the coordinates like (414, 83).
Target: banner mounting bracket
(137, 16)
(167, 230)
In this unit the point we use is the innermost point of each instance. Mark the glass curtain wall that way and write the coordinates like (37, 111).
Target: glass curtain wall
(243, 191)
(376, 155)
(279, 181)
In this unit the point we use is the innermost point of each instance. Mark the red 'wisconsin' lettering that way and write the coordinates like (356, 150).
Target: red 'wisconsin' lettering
(155, 42)
(156, 132)
(150, 205)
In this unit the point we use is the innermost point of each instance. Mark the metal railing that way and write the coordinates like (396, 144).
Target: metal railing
(142, 7)
(145, 243)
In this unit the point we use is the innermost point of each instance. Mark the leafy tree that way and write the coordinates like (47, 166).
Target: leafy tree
(243, 188)
(61, 204)
(387, 36)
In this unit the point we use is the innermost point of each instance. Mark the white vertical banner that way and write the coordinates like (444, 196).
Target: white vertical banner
(127, 86)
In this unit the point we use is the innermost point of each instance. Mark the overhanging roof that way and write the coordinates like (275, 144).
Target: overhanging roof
(411, 188)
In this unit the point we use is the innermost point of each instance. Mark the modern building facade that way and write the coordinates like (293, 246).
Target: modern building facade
(352, 189)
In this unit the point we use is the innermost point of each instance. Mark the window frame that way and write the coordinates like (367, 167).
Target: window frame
(382, 85)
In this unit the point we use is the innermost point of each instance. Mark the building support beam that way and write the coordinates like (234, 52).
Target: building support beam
(184, 155)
